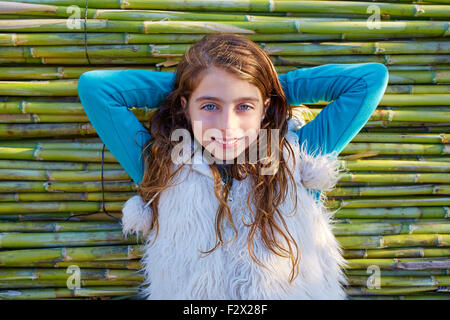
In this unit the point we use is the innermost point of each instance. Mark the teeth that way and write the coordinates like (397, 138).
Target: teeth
(231, 142)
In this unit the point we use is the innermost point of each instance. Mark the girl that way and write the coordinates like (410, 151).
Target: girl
(250, 229)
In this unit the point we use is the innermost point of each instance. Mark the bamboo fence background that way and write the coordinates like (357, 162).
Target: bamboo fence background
(394, 216)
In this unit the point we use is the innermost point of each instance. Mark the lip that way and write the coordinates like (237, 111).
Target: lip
(226, 146)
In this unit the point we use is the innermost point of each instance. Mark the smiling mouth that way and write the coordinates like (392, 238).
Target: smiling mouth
(226, 142)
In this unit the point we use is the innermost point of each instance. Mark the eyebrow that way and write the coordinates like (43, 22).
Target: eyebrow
(218, 99)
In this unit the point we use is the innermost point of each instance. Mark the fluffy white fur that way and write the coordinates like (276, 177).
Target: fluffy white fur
(175, 269)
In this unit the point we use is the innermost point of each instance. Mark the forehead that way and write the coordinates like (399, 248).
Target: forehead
(215, 82)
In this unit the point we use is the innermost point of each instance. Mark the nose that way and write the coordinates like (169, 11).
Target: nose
(228, 123)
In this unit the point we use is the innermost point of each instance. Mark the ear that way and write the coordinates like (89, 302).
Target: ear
(266, 105)
(183, 102)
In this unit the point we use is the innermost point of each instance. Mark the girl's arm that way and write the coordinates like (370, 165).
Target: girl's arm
(106, 96)
(356, 90)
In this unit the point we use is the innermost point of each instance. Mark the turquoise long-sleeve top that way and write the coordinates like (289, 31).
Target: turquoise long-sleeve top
(354, 89)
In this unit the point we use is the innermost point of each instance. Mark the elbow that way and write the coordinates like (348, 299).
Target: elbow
(87, 81)
(379, 75)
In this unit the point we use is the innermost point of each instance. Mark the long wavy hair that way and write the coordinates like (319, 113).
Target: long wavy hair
(246, 60)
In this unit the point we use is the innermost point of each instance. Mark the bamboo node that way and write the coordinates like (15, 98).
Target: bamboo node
(35, 118)
(447, 30)
(418, 10)
(14, 39)
(378, 49)
(446, 148)
(56, 227)
(22, 106)
(447, 212)
(248, 18)
(297, 26)
(387, 59)
(60, 72)
(390, 115)
(271, 6)
(36, 151)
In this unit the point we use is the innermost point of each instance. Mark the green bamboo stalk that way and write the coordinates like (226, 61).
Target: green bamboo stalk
(9, 274)
(389, 290)
(402, 281)
(69, 254)
(55, 154)
(441, 272)
(389, 190)
(49, 165)
(62, 206)
(20, 107)
(28, 284)
(63, 175)
(69, 239)
(50, 118)
(396, 212)
(63, 216)
(418, 89)
(422, 227)
(396, 165)
(177, 50)
(45, 130)
(396, 148)
(388, 59)
(92, 38)
(389, 241)
(401, 263)
(417, 99)
(54, 145)
(58, 186)
(406, 125)
(306, 25)
(405, 138)
(425, 296)
(398, 220)
(388, 202)
(113, 264)
(39, 88)
(52, 293)
(396, 253)
(58, 226)
(266, 6)
(66, 196)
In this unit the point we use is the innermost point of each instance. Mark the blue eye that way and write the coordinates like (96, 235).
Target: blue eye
(210, 104)
(205, 106)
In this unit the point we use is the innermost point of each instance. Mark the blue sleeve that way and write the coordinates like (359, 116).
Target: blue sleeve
(356, 89)
(107, 97)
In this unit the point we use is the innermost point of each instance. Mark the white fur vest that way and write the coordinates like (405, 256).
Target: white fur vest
(175, 269)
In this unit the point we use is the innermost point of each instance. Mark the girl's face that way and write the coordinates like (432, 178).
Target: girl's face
(224, 108)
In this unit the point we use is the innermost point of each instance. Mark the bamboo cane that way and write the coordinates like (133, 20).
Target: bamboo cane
(389, 190)
(66, 196)
(396, 253)
(26, 284)
(389, 241)
(437, 212)
(70, 254)
(8, 274)
(402, 281)
(52, 293)
(421, 227)
(401, 263)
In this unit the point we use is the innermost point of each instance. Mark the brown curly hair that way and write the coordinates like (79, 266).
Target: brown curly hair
(246, 60)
